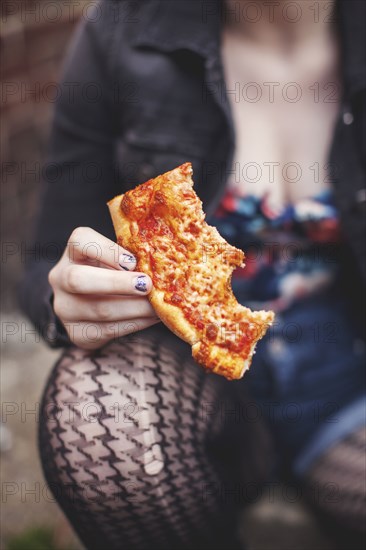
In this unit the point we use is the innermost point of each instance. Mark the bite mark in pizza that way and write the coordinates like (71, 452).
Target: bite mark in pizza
(163, 224)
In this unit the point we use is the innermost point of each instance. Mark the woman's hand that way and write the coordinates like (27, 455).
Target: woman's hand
(97, 295)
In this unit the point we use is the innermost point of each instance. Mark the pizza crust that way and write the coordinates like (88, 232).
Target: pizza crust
(223, 363)
(120, 223)
(173, 318)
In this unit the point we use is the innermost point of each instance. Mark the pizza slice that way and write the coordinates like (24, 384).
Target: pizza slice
(162, 223)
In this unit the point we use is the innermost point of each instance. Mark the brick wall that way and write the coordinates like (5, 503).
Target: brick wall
(34, 36)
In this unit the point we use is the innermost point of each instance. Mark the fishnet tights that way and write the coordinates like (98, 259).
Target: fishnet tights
(337, 482)
(125, 441)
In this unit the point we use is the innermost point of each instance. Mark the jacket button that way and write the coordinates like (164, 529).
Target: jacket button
(347, 118)
(359, 202)
(361, 196)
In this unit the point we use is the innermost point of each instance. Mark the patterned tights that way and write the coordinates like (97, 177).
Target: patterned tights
(133, 447)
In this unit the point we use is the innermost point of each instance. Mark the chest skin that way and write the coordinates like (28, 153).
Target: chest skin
(284, 107)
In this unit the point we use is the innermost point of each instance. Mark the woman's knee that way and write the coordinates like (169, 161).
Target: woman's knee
(115, 417)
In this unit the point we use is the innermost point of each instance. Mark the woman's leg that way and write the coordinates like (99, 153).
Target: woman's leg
(309, 378)
(336, 483)
(124, 440)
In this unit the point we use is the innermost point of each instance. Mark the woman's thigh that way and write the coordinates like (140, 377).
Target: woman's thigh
(127, 440)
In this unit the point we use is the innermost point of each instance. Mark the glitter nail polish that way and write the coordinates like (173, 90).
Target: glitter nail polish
(141, 283)
(127, 261)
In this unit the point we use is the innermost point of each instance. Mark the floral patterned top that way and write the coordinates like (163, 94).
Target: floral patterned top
(291, 253)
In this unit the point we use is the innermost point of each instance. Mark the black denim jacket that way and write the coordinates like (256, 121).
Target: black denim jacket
(143, 91)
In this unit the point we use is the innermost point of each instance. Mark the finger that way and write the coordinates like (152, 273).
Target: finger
(86, 279)
(96, 335)
(101, 308)
(85, 244)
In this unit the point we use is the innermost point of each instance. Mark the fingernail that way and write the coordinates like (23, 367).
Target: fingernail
(141, 283)
(127, 261)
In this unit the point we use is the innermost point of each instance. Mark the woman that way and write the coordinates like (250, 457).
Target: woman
(266, 101)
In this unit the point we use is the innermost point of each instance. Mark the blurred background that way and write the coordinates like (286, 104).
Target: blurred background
(34, 37)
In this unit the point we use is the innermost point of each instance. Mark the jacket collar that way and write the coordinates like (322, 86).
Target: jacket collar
(170, 25)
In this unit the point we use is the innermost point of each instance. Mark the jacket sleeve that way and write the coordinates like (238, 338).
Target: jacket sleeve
(78, 176)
